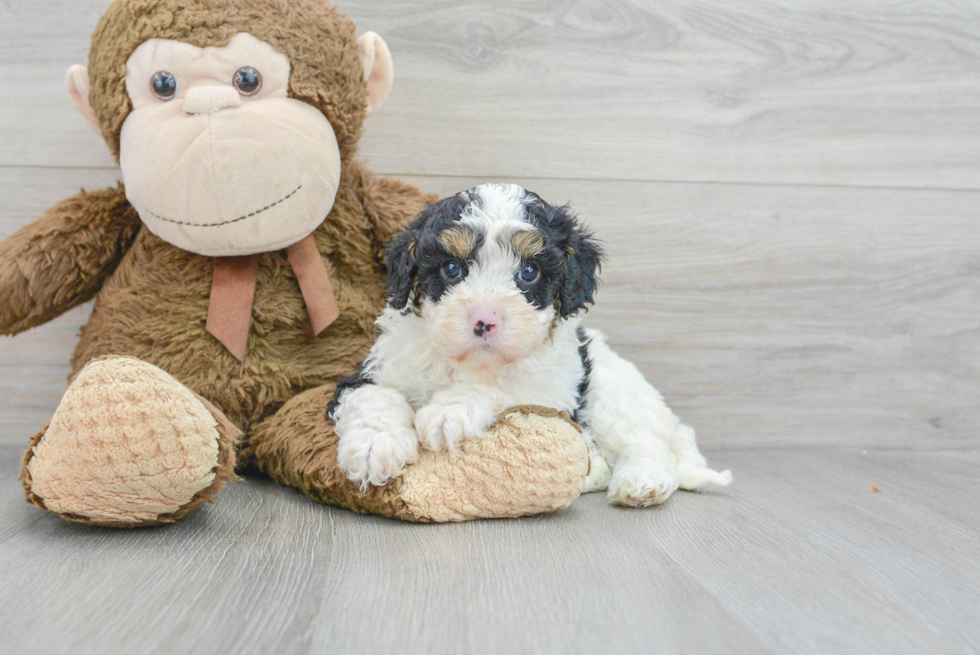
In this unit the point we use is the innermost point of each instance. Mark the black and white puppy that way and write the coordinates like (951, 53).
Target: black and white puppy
(485, 289)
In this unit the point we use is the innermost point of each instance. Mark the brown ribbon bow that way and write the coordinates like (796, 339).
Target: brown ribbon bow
(233, 290)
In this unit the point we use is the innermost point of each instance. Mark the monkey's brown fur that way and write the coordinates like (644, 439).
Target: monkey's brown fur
(152, 298)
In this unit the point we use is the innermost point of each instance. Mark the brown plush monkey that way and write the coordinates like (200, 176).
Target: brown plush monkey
(237, 275)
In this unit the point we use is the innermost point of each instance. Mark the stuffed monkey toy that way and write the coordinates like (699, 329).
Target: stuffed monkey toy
(237, 272)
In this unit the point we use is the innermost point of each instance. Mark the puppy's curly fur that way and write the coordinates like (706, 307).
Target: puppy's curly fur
(486, 289)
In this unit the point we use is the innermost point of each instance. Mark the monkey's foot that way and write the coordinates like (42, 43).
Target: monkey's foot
(532, 460)
(129, 445)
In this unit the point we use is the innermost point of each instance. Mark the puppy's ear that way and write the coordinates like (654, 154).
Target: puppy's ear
(402, 268)
(584, 257)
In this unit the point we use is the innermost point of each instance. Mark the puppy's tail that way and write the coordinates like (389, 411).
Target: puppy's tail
(692, 467)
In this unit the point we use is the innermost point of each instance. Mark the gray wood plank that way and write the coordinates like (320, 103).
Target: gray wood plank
(817, 562)
(29, 396)
(797, 556)
(852, 93)
(768, 315)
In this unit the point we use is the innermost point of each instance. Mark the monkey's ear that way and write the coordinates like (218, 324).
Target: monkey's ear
(402, 268)
(378, 69)
(76, 81)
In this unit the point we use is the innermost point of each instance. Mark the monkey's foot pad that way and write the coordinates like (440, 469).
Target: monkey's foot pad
(532, 460)
(128, 445)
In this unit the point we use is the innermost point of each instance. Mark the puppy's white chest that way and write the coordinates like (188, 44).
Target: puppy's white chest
(550, 377)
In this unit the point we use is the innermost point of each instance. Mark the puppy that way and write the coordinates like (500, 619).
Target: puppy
(486, 288)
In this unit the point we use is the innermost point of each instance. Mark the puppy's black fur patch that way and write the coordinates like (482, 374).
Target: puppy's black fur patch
(583, 387)
(569, 262)
(347, 383)
(571, 259)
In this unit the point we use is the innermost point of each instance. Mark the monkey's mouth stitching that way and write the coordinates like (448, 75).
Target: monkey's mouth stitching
(234, 220)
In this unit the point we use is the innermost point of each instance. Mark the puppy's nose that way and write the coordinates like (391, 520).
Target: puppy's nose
(484, 323)
(211, 98)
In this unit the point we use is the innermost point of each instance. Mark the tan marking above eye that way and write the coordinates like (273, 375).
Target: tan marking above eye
(458, 242)
(528, 244)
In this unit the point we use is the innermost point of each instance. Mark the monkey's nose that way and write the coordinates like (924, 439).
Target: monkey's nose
(209, 99)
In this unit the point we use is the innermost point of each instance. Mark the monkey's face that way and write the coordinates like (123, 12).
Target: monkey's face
(216, 158)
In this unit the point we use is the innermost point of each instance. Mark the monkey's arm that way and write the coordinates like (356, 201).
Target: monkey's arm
(61, 260)
(391, 205)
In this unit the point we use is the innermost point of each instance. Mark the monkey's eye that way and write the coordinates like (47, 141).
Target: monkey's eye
(164, 85)
(529, 274)
(452, 270)
(247, 80)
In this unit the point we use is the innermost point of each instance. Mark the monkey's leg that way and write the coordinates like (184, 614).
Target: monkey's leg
(129, 446)
(533, 460)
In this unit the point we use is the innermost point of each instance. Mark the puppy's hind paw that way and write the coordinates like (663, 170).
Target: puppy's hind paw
(371, 456)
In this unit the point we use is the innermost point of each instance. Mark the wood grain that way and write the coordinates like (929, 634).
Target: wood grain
(797, 556)
(870, 93)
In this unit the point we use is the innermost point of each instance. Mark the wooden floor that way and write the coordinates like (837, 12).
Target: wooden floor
(798, 557)
(790, 194)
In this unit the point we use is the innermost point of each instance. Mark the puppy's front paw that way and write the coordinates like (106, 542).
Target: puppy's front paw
(368, 455)
(448, 425)
(641, 485)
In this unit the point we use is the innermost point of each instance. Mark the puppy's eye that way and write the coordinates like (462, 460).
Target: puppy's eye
(452, 271)
(529, 274)
(164, 85)
(247, 80)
